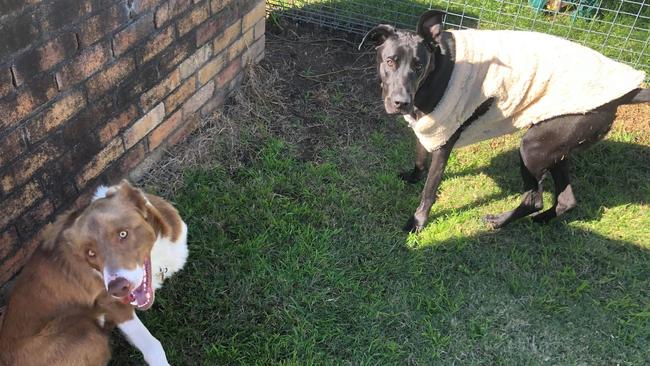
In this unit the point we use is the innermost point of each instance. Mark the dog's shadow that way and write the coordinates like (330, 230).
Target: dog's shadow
(607, 175)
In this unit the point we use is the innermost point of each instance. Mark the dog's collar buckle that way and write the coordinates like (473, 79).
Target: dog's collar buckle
(161, 272)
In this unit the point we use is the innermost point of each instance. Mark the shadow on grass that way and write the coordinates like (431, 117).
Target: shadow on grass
(528, 294)
(578, 288)
(613, 173)
(295, 262)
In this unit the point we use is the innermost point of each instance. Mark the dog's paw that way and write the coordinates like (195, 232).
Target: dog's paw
(411, 176)
(493, 221)
(413, 225)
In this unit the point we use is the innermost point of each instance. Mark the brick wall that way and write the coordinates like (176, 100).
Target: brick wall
(91, 89)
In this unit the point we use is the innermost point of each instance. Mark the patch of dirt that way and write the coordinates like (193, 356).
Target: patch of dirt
(634, 118)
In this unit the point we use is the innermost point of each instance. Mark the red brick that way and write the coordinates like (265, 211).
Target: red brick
(209, 29)
(190, 123)
(6, 85)
(227, 37)
(260, 28)
(175, 54)
(138, 82)
(217, 5)
(26, 166)
(195, 17)
(57, 178)
(116, 124)
(17, 33)
(11, 146)
(110, 153)
(84, 65)
(130, 35)
(14, 205)
(192, 63)
(8, 240)
(107, 79)
(59, 112)
(253, 16)
(144, 125)
(44, 57)
(254, 53)
(102, 24)
(126, 163)
(165, 129)
(7, 181)
(169, 10)
(58, 14)
(158, 43)
(9, 6)
(17, 107)
(211, 69)
(35, 218)
(140, 6)
(228, 73)
(241, 44)
(214, 102)
(180, 95)
(158, 92)
(198, 99)
(235, 82)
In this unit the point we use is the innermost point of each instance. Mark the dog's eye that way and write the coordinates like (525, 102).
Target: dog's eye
(124, 234)
(91, 253)
(390, 62)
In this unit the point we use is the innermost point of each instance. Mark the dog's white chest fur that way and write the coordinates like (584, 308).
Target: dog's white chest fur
(168, 257)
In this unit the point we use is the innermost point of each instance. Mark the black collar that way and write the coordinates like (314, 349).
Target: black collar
(433, 87)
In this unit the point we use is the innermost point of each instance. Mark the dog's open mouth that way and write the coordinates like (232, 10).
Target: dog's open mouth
(142, 297)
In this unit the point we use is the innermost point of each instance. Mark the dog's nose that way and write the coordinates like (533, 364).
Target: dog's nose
(119, 287)
(401, 103)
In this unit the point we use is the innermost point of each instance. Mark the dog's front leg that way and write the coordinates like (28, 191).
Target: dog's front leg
(439, 159)
(415, 175)
(141, 338)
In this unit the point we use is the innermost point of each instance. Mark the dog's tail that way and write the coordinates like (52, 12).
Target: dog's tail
(641, 95)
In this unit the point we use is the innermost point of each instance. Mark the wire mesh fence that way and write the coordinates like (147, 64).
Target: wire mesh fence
(619, 29)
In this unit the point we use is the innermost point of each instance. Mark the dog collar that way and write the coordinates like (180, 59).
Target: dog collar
(426, 71)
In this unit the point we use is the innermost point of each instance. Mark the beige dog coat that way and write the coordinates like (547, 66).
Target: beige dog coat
(531, 76)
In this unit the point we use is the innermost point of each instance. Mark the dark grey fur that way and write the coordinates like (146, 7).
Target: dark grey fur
(415, 69)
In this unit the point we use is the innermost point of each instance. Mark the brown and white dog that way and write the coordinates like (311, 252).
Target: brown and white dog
(93, 268)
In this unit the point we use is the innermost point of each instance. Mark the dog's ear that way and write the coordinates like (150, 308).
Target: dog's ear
(132, 194)
(430, 26)
(148, 210)
(55, 230)
(378, 35)
(156, 220)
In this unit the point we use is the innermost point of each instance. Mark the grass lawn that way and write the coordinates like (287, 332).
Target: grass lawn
(297, 255)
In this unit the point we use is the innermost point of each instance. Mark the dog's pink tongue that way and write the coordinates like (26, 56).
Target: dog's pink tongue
(144, 294)
(143, 298)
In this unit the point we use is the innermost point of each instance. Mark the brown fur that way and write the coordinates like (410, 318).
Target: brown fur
(53, 311)
(51, 317)
(167, 217)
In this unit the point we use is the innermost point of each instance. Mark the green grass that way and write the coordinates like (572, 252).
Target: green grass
(620, 30)
(297, 256)
(299, 262)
